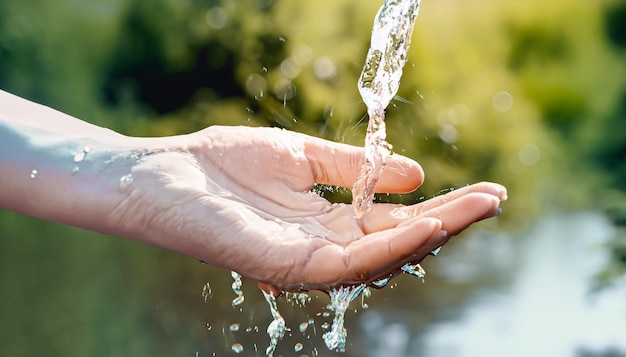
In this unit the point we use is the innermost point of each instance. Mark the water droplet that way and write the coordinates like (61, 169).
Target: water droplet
(74, 170)
(234, 327)
(206, 292)
(303, 326)
(126, 182)
(236, 286)
(237, 348)
(298, 347)
(81, 155)
(256, 85)
(436, 251)
(33, 174)
(380, 283)
(325, 326)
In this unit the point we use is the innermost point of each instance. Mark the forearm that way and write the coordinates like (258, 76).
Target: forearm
(59, 168)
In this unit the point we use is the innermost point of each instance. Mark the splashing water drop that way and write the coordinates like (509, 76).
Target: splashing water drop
(74, 171)
(340, 298)
(436, 251)
(414, 269)
(303, 326)
(365, 294)
(206, 292)
(236, 286)
(237, 348)
(234, 327)
(378, 84)
(33, 174)
(276, 329)
(298, 347)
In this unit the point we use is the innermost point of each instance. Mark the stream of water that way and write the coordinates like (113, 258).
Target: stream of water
(378, 84)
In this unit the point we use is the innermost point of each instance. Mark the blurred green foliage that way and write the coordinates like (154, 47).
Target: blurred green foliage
(531, 94)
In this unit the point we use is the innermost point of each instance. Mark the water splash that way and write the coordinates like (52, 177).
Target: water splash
(378, 84)
(365, 294)
(276, 329)
(33, 174)
(237, 288)
(415, 270)
(340, 298)
(300, 299)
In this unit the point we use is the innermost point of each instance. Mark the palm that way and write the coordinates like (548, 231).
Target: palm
(268, 225)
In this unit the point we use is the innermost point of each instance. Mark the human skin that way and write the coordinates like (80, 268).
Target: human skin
(235, 197)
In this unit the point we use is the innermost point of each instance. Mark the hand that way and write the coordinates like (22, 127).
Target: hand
(240, 198)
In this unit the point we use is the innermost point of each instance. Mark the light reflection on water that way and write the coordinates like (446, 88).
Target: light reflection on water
(548, 308)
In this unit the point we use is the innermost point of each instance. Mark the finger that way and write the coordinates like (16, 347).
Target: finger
(481, 187)
(462, 212)
(340, 165)
(385, 216)
(371, 255)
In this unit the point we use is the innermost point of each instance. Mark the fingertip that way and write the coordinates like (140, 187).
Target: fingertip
(401, 175)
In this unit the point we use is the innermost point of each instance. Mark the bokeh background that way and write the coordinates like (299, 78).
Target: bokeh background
(531, 94)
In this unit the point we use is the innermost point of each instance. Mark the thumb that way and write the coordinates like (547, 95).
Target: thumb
(340, 165)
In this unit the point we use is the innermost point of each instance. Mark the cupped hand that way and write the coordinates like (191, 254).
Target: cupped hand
(240, 198)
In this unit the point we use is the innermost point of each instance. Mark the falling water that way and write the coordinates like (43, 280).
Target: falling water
(276, 329)
(236, 286)
(378, 84)
(340, 298)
